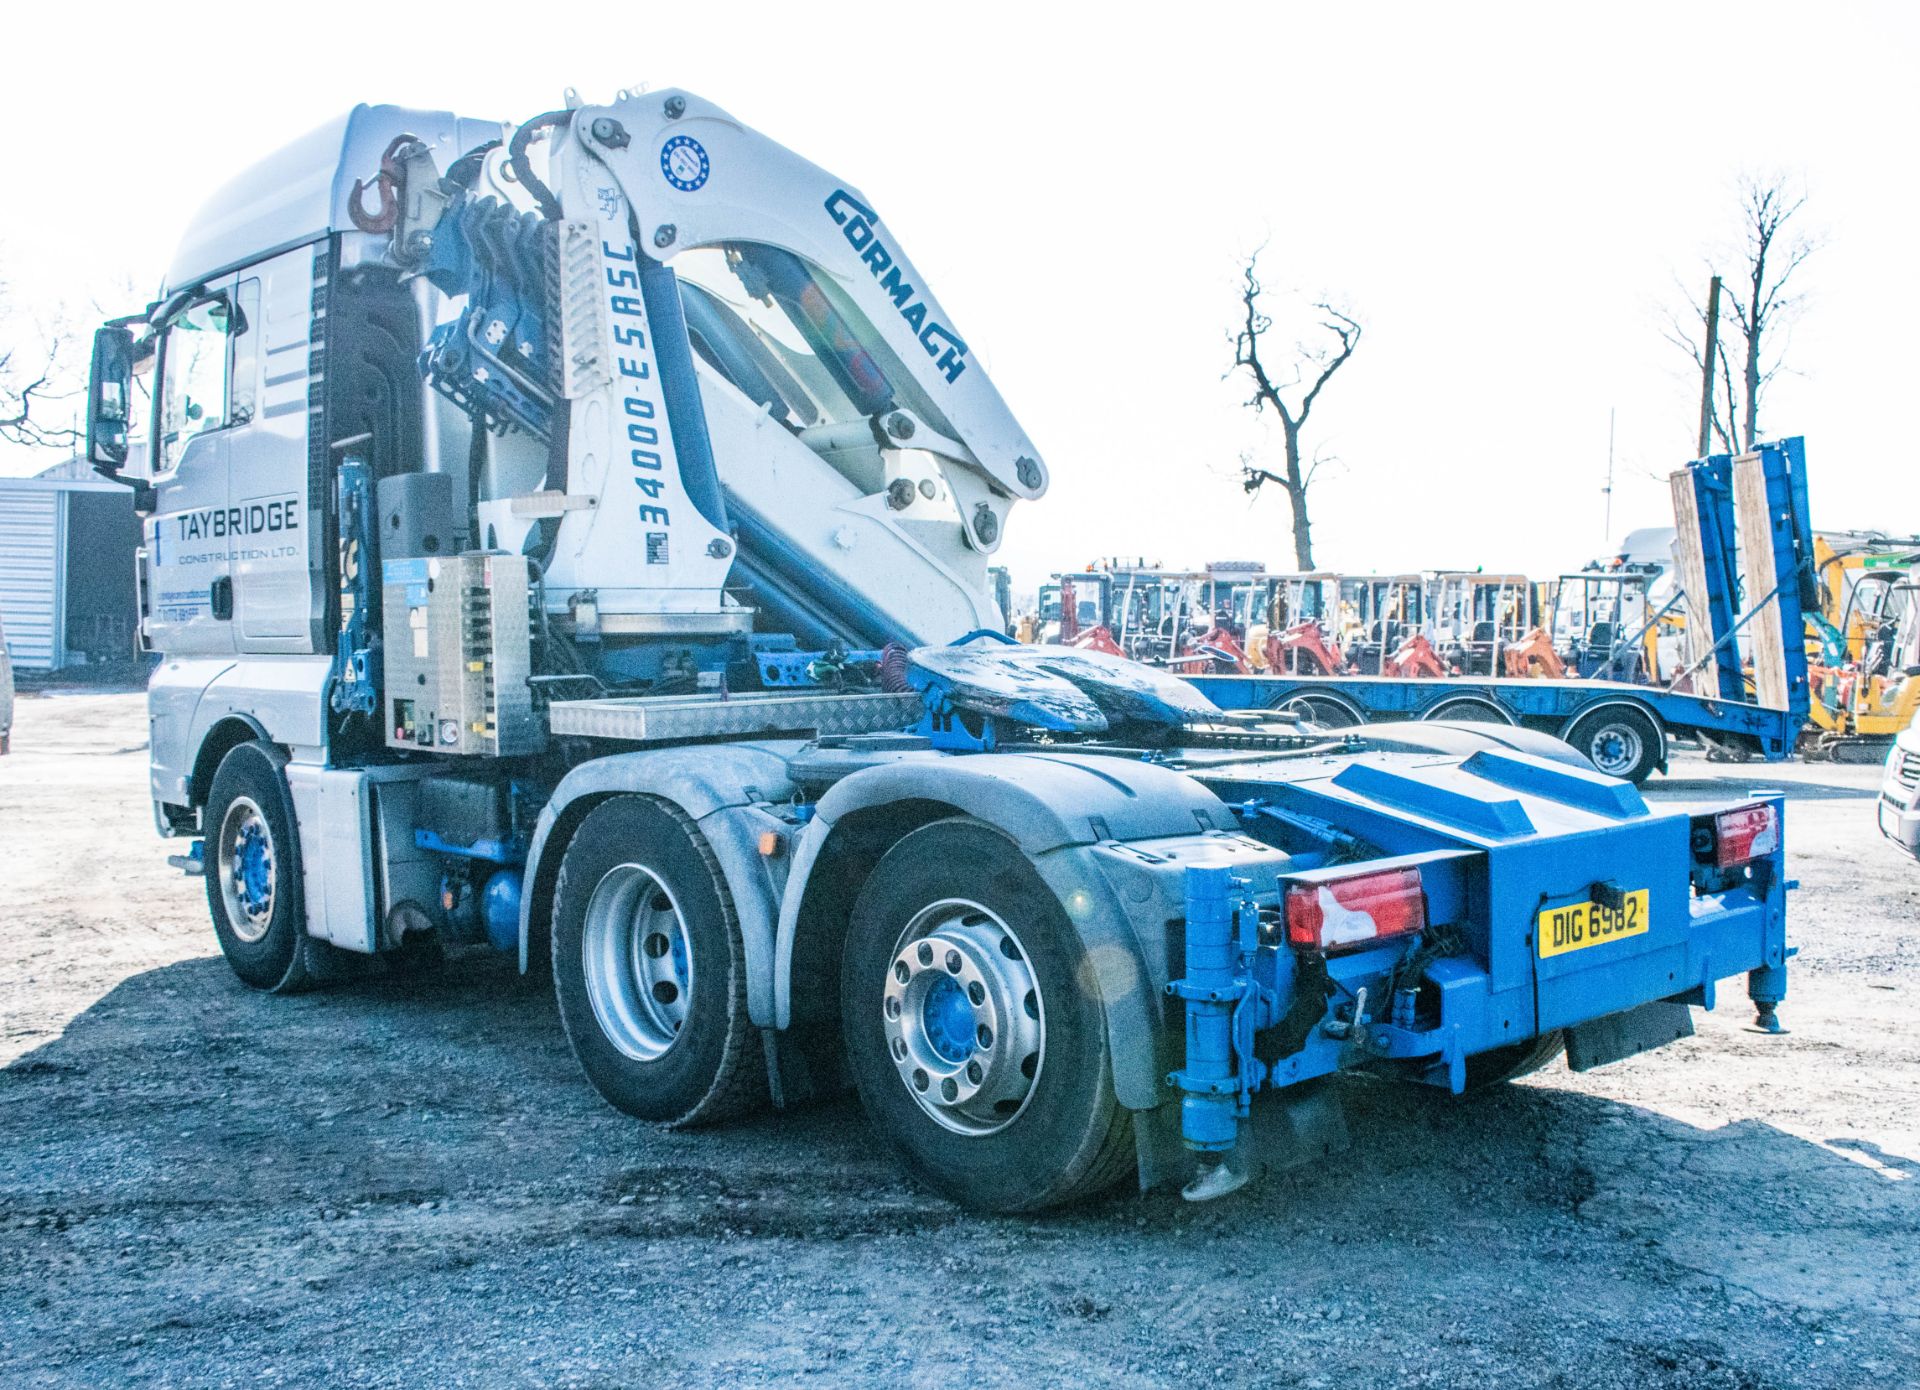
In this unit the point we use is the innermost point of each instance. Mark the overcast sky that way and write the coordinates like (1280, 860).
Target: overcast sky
(1503, 195)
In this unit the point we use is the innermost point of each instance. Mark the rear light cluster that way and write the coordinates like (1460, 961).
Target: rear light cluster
(1345, 914)
(1745, 833)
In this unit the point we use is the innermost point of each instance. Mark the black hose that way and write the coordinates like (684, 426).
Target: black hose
(464, 170)
(523, 169)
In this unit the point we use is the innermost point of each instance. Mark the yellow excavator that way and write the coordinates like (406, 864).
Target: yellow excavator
(1863, 647)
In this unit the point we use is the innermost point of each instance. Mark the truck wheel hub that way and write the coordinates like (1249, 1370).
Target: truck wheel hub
(637, 962)
(246, 869)
(963, 1017)
(1615, 749)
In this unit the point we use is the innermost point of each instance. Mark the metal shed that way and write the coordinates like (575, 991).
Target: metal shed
(66, 570)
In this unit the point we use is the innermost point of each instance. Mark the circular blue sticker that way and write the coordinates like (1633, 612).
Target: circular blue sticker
(685, 163)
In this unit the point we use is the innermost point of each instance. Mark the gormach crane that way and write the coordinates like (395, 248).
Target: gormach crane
(574, 536)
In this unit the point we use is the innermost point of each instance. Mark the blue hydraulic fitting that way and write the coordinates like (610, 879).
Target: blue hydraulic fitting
(1209, 1082)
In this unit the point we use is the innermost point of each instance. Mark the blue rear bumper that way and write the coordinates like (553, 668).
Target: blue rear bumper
(1498, 840)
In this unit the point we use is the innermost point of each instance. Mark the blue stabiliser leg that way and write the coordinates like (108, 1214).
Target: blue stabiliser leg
(1766, 987)
(1221, 1072)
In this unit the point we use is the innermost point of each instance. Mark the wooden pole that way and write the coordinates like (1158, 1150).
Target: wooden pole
(1706, 367)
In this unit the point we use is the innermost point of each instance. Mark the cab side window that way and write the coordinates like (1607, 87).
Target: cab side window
(194, 380)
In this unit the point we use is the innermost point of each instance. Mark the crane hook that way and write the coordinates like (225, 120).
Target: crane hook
(386, 182)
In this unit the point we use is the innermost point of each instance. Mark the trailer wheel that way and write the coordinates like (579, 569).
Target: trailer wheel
(649, 969)
(1320, 711)
(978, 1049)
(1467, 710)
(1510, 1063)
(253, 869)
(1619, 740)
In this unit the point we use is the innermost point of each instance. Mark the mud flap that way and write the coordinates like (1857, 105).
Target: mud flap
(1285, 1130)
(1627, 1033)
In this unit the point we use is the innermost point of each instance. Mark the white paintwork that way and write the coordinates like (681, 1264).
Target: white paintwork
(187, 696)
(298, 194)
(759, 191)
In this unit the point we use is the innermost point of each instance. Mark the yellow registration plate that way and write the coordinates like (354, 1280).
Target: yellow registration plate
(1579, 925)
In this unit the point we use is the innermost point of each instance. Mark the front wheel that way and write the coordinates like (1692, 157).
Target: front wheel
(253, 870)
(977, 1048)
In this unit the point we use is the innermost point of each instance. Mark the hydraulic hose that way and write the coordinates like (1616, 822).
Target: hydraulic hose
(523, 168)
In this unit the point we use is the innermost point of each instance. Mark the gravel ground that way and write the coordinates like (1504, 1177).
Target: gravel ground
(409, 1183)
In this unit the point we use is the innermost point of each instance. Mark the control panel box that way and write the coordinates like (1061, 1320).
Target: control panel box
(458, 651)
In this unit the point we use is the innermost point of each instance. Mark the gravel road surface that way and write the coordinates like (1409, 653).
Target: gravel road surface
(409, 1183)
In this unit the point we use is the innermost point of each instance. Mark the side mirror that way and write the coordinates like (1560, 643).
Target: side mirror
(109, 398)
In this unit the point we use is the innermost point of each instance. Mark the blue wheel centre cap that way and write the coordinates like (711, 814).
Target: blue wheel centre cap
(255, 867)
(947, 1018)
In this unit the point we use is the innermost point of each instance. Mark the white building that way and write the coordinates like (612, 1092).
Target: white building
(67, 541)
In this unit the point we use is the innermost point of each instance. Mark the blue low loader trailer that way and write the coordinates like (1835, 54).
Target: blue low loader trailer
(1447, 904)
(1760, 549)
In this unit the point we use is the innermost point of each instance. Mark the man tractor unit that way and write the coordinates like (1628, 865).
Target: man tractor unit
(575, 537)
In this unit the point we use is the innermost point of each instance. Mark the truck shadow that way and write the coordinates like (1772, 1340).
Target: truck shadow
(181, 1098)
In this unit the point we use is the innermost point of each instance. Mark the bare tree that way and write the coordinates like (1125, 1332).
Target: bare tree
(35, 378)
(28, 393)
(1308, 369)
(1758, 309)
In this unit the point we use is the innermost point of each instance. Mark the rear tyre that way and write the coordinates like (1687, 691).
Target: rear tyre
(978, 1052)
(1504, 1064)
(1619, 740)
(649, 969)
(252, 870)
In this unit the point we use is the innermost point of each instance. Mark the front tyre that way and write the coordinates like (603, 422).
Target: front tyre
(649, 969)
(253, 869)
(976, 1043)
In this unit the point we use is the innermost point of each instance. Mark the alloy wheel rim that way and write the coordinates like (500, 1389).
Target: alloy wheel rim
(248, 869)
(1615, 749)
(963, 1018)
(638, 962)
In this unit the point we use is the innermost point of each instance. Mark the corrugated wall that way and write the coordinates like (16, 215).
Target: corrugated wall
(29, 573)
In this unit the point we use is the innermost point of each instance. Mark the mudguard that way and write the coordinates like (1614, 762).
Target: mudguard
(718, 786)
(1057, 808)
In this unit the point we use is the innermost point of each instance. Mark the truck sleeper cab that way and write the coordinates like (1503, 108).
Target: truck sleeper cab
(512, 588)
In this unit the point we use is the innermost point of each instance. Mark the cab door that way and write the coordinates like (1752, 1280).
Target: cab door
(277, 554)
(189, 534)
